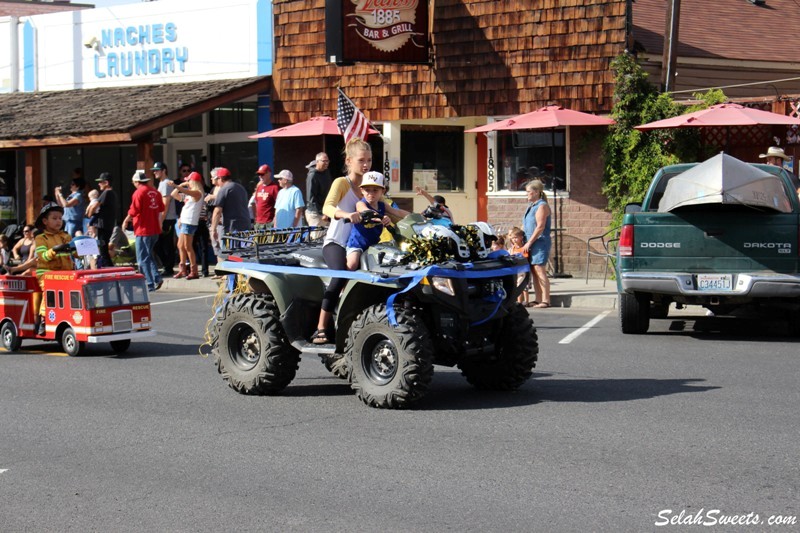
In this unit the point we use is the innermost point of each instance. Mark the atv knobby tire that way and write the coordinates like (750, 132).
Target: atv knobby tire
(250, 348)
(514, 358)
(391, 366)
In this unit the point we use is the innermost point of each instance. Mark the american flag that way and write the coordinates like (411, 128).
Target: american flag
(350, 119)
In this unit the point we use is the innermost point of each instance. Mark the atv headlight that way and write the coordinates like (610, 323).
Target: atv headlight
(444, 285)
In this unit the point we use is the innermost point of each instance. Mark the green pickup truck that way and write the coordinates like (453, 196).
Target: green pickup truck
(722, 234)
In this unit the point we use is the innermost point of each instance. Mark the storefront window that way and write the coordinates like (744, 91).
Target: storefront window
(527, 155)
(92, 160)
(60, 165)
(240, 158)
(188, 127)
(10, 204)
(432, 157)
(234, 118)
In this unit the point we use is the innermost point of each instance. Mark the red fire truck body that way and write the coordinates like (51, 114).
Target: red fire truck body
(107, 305)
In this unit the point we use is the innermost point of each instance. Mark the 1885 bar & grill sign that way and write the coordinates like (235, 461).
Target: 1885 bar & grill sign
(386, 31)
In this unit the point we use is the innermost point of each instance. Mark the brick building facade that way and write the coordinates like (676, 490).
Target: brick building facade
(489, 60)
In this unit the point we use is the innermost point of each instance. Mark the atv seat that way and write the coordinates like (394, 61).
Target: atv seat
(310, 258)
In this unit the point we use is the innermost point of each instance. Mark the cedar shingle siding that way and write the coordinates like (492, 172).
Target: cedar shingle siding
(491, 57)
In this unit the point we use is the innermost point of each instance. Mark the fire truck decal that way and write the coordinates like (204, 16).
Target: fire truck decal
(77, 317)
(51, 316)
(20, 319)
(12, 285)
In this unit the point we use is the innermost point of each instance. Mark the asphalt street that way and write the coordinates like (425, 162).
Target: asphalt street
(613, 433)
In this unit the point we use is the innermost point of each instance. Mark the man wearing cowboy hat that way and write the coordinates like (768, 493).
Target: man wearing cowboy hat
(145, 213)
(775, 156)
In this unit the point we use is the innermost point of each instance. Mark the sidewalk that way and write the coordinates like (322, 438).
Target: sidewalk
(565, 292)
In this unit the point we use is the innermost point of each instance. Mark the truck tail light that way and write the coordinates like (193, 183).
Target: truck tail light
(625, 246)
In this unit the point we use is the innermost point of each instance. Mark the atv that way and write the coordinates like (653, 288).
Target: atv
(436, 295)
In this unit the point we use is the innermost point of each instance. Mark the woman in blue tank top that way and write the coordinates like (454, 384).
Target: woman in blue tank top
(536, 224)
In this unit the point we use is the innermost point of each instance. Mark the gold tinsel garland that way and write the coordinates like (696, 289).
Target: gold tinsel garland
(426, 251)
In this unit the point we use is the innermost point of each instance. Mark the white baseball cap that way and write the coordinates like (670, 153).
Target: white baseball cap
(373, 178)
(285, 174)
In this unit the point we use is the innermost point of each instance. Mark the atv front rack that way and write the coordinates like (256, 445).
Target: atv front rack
(270, 242)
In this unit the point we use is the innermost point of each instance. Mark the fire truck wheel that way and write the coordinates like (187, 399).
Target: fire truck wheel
(70, 343)
(120, 346)
(11, 340)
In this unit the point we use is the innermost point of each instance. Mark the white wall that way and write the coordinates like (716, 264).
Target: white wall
(168, 41)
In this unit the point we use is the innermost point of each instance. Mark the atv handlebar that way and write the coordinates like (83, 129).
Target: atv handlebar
(366, 215)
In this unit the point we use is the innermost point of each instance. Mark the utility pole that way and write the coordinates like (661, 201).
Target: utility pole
(671, 40)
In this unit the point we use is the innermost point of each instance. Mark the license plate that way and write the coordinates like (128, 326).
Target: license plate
(714, 282)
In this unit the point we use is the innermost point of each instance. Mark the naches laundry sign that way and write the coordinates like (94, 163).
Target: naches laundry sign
(142, 50)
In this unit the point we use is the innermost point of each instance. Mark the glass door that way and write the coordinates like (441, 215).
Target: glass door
(192, 155)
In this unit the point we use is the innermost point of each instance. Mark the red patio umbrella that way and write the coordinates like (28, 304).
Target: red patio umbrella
(551, 116)
(548, 117)
(722, 115)
(322, 125)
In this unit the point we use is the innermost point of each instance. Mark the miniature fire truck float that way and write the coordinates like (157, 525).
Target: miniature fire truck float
(107, 305)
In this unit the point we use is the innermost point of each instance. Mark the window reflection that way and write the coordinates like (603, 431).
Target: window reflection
(527, 155)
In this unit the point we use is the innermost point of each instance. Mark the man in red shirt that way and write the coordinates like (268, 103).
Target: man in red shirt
(265, 194)
(145, 212)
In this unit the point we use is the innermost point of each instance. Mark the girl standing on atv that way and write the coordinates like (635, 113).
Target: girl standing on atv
(368, 233)
(340, 205)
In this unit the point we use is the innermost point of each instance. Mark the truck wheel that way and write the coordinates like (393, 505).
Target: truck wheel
(634, 313)
(11, 340)
(514, 358)
(391, 366)
(251, 350)
(120, 346)
(70, 344)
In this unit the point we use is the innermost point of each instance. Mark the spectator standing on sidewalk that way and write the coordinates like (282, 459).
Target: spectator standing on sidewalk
(289, 205)
(318, 183)
(265, 195)
(145, 214)
(210, 202)
(106, 218)
(536, 225)
(190, 192)
(230, 206)
(74, 206)
(165, 246)
(202, 238)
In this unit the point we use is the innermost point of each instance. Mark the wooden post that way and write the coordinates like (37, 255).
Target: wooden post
(671, 40)
(33, 184)
(780, 106)
(144, 156)
(482, 181)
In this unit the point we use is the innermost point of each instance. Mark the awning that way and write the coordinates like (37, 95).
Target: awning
(112, 114)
